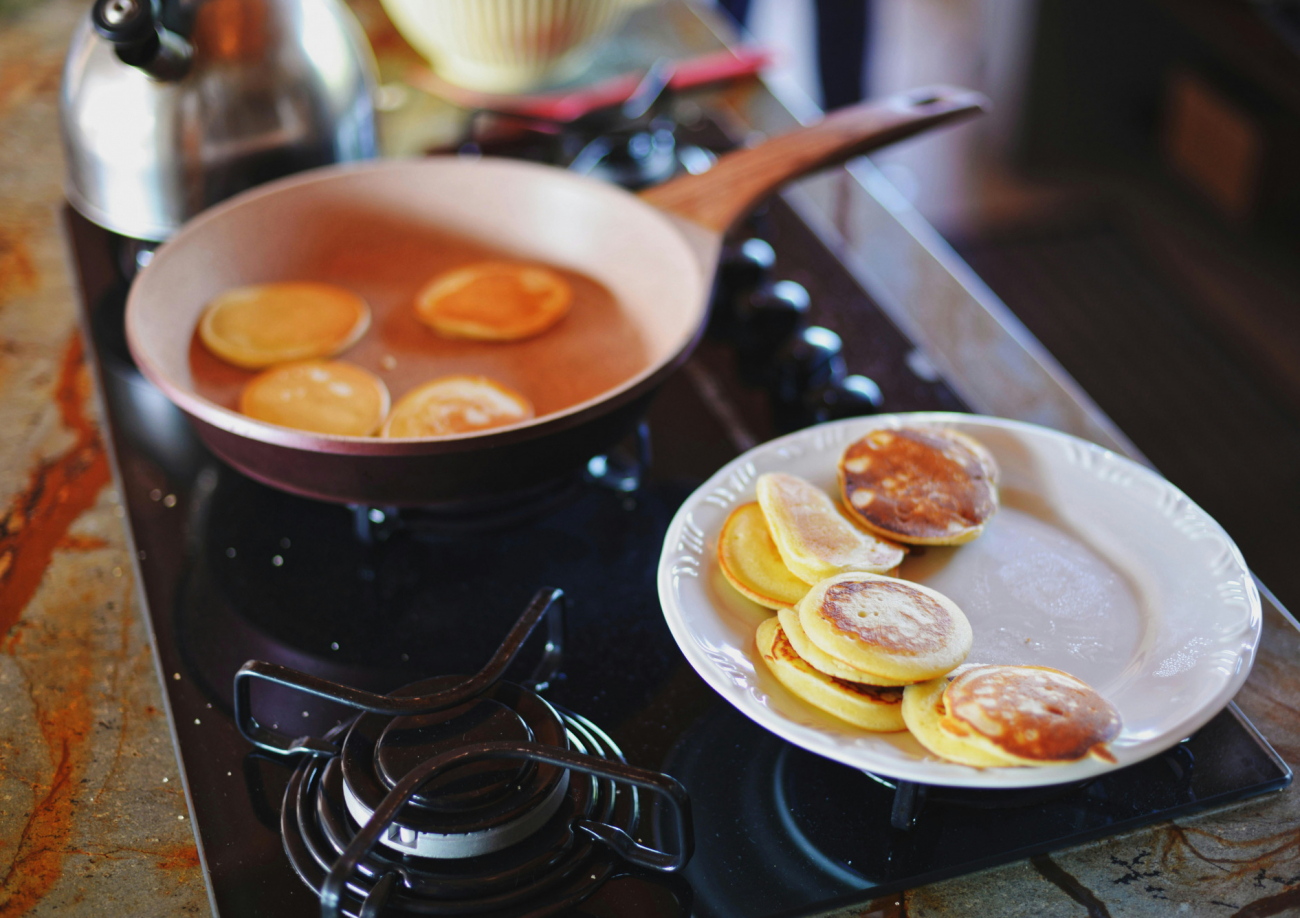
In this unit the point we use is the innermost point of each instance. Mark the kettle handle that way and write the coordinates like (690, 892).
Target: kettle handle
(140, 40)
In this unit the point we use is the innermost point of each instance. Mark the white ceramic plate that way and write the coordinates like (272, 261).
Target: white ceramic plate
(1094, 565)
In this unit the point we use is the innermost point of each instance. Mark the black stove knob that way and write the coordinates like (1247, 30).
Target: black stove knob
(809, 361)
(850, 397)
(766, 319)
(741, 269)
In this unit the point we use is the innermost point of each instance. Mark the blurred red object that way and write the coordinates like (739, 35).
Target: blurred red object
(569, 105)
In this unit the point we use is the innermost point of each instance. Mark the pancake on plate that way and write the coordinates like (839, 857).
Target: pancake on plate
(323, 396)
(1032, 715)
(494, 301)
(926, 717)
(893, 629)
(264, 324)
(814, 539)
(920, 486)
(751, 563)
(871, 707)
(455, 405)
(819, 659)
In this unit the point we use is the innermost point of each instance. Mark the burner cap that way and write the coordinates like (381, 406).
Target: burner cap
(545, 870)
(474, 809)
(408, 741)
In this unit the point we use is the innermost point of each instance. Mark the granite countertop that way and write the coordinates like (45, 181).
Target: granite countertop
(93, 819)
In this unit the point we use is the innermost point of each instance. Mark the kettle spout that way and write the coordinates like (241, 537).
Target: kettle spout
(140, 39)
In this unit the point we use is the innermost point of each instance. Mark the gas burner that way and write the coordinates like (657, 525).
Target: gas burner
(533, 863)
(632, 158)
(632, 144)
(475, 809)
(620, 470)
(485, 514)
(910, 798)
(462, 795)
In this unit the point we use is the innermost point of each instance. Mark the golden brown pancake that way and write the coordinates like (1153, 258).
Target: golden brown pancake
(814, 540)
(819, 659)
(455, 405)
(751, 563)
(870, 707)
(324, 396)
(1033, 715)
(264, 324)
(921, 486)
(926, 717)
(494, 301)
(891, 628)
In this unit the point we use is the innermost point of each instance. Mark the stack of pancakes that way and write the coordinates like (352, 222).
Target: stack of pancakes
(856, 639)
(883, 653)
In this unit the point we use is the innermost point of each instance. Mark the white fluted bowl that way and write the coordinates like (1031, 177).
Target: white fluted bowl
(506, 45)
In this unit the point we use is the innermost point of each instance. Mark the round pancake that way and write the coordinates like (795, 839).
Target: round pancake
(928, 486)
(751, 563)
(925, 715)
(871, 707)
(1033, 715)
(494, 301)
(456, 404)
(264, 324)
(883, 625)
(819, 659)
(814, 540)
(324, 396)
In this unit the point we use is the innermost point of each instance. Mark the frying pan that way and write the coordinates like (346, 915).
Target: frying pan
(384, 228)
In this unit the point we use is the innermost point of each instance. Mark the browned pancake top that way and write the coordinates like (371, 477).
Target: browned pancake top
(782, 649)
(1033, 712)
(911, 622)
(916, 483)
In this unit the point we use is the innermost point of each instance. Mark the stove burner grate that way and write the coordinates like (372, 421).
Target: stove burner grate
(553, 869)
(461, 796)
(632, 143)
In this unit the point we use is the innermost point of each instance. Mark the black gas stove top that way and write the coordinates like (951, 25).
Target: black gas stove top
(376, 599)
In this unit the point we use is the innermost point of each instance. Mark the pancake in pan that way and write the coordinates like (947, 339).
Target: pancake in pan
(751, 563)
(264, 324)
(819, 659)
(869, 707)
(494, 301)
(454, 405)
(921, 486)
(323, 396)
(898, 630)
(814, 540)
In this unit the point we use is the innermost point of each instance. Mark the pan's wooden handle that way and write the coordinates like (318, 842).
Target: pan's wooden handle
(717, 198)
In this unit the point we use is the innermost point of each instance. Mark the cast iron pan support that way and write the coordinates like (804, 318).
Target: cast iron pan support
(546, 600)
(667, 862)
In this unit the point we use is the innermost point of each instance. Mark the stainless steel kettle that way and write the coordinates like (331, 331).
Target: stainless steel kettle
(168, 106)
